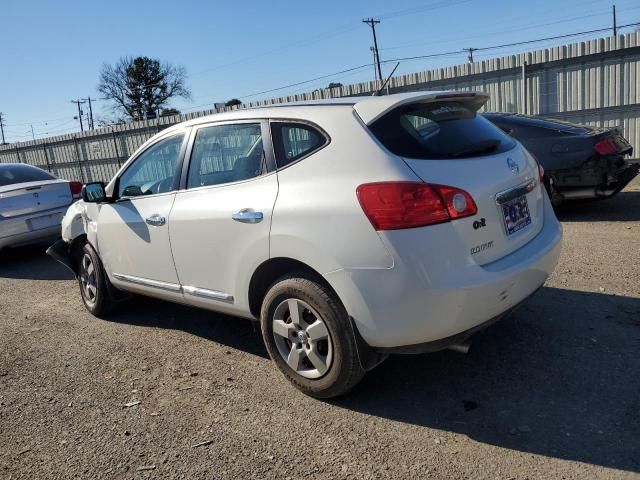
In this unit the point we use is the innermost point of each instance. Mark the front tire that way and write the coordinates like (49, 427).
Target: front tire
(93, 281)
(309, 336)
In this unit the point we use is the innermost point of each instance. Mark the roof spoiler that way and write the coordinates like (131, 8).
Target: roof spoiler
(373, 108)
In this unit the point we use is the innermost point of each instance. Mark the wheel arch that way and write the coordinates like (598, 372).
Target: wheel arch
(274, 268)
(271, 270)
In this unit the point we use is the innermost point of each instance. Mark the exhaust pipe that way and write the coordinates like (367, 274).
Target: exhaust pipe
(579, 194)
(460, 347)
(587, 193)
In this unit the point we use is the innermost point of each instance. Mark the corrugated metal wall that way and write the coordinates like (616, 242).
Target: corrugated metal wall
(593, 82)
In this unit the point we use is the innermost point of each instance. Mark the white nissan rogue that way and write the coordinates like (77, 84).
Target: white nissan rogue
(350, 228)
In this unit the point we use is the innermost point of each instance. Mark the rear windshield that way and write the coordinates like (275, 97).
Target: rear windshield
(11, 174)
(439, 130)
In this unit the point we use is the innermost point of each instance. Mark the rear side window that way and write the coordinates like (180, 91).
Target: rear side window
(439, 130)
(12, 174)
(292, 141)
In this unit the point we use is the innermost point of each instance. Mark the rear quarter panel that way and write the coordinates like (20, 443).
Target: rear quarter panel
(317, 217)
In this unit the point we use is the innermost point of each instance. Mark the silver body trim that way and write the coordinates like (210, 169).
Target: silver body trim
(522, 189)
(204, 293)
(172, 287)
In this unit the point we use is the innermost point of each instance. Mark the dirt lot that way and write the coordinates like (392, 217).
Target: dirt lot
(553, 392)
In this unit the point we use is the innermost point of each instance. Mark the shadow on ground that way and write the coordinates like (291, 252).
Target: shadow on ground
(559, 378)
(233, 332)
(624, 207)
(31, 263)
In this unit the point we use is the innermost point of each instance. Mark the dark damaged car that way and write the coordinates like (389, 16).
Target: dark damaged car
(580, 162)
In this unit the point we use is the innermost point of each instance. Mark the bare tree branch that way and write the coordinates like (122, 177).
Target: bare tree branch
(139, 87)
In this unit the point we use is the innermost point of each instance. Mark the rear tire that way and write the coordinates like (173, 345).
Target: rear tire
(94, 284)
(309, 336)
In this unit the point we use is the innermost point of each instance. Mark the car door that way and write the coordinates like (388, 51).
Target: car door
(133, 231)
(220, 221)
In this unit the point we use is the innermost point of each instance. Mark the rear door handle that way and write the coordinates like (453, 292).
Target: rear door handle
(247, 215)
(156, 220)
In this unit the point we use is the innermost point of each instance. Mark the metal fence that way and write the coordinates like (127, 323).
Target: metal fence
(595, 82)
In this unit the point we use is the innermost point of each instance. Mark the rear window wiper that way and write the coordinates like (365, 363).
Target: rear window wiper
(487, 146)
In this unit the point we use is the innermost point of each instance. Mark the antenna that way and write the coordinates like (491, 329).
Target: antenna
(377, 93)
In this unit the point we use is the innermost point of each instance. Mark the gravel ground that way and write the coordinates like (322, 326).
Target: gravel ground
(552, 392)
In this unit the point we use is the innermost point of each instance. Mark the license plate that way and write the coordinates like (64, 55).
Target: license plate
(44, 222)
(516, 215)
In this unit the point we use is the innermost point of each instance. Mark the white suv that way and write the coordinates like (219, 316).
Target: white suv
(350, 228)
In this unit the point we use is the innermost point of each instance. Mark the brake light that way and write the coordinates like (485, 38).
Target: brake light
(399, 205)
(75, 187)
(606, 147)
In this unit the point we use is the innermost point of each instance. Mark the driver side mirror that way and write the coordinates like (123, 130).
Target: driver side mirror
(94, 192)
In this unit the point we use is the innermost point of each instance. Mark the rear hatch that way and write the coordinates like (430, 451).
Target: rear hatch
(445, 142)
(33, 197)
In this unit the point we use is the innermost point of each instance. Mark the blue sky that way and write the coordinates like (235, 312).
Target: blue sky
(53, 51)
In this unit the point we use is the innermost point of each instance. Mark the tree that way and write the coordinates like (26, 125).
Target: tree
(233, 102)
(139, 87)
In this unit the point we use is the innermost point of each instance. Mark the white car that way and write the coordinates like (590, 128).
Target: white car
(32, 204)
(351, 228)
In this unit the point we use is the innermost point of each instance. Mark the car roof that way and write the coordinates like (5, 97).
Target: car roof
(16, 164)
(369, 108)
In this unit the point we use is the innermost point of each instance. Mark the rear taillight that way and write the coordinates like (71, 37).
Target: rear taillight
(606, 146)
(540, 168)
(399, 205)
(75, 187)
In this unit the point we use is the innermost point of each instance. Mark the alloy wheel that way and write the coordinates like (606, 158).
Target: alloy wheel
(302, 338)
(88, 282)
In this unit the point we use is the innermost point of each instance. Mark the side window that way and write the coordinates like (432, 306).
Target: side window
(295, 140)
(226, 153)
(153, 171)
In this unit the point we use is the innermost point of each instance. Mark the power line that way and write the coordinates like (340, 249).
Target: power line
(517, 28)
(495, 47)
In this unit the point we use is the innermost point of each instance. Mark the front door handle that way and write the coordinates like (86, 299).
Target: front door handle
(156, 220)
(247, 215)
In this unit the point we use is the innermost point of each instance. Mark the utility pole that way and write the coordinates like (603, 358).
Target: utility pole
(470, 56)
(91, 126)
(33, 135)
(372, 23)
(375, 62)
(2, 128)
(78, 103)
(615, 25)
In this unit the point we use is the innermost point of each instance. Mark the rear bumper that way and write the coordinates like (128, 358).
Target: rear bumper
(28, 238)
(434, 299)
(23, 230)
(444, 343)
(602, 182)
